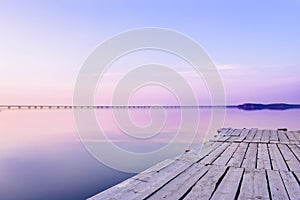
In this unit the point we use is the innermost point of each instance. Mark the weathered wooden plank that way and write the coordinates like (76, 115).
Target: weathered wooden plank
(292, 162)
(291, 136)
(282, 136)
(211, 157)
(224, 131)
(230, 132)
(290, 142)
(277, 160)
(296, 135)
(236, 132)
(297, 175)
(107, 194)
(291, 185)
(296, 150)
(276, 185)
(238, 156)
(132, 182)
(274, 136)
(232, 139)
(196, 153)
(235, 135)
(151, 184)
(229, 185)
(206, 185)
(221, 138)
(226, 155)
(257, 136)
(243, 135)
(254, 185)
(265, 136)
(250, 157)
(181, 184)
(250, 135)
(263, 158)
(195, 156)
(159, 166)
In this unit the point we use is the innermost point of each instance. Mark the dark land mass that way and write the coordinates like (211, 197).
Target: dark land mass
(274, 106)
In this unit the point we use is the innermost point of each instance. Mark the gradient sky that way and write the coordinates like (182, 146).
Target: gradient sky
(254, 44)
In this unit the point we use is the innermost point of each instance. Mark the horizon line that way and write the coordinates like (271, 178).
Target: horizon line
(68, 106)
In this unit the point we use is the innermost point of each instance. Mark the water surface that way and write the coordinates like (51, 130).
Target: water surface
(42, 156)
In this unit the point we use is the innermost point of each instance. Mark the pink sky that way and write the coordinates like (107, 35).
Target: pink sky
(256, 50)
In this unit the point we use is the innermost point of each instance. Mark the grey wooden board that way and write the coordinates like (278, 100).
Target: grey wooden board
(243, 135)
(230, 132)
(250, 157)
(296, 135)
(277, 160)
(250, 135)
(132, 182)
(181, 184)
(236, 132)
(115, 190)
(254, 185)
(292, 162)
(224, 131)
(229, 185)
(282, 136)
(257, 136)
(235, 135)
(152, 183)
(263, 158)
(265, 136)
(297, 174)
(211, 157)
(295, 149)
(238, 156)
(274, 136)
(159, 166)
(232, 139)
(226, 155)
(291, 136)
(195, 156)
(276, 185)
(221, 138)
(278, 142)
(291, 185)
(206, 185)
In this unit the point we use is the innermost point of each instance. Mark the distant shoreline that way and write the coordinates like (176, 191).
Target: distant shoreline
(273, 106)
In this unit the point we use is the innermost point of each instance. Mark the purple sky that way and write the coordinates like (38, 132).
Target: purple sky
(255, 46)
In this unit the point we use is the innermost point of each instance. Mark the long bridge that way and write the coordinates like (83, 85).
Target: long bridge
(8, 107)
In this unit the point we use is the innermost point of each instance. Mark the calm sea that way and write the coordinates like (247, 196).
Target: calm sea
(42, 157)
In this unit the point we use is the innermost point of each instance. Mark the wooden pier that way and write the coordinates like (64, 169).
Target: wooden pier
(236, 164)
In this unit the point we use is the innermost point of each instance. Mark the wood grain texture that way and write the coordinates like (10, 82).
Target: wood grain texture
(276, 185)
(228, 187)
(237, 164)
(254, 185)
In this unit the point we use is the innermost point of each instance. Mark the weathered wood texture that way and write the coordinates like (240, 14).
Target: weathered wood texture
(237, 164)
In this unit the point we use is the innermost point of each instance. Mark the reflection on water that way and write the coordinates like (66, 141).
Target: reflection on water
(42, 157)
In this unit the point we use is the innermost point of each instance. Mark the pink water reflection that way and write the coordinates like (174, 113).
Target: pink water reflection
(41, 154)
